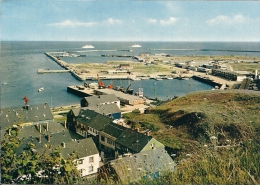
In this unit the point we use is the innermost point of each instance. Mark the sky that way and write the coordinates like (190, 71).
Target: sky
(85, 20)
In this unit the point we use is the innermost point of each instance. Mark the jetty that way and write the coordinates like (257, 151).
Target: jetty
(80, 90)
(66, 66)
(41, 71)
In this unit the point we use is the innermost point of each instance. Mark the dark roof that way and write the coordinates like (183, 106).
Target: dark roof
(97, 100)
(15, 115)
(136, 166)
(84, 147)
(113, 130)
(133, 140)
(76, 111)
(93, 119)
(105, 109)
(58, 135)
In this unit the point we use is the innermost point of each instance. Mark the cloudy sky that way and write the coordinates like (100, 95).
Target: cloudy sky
(83, 20)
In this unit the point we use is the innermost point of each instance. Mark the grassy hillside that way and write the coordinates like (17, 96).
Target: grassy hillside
(194, 118)
(215, 135)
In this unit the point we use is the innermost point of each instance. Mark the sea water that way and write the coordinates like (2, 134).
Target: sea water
(19, 62)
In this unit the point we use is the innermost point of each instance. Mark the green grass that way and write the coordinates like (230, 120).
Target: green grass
(196, 117)
(250, 67)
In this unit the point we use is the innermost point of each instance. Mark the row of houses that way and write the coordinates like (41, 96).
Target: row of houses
(112, 139)
(93, 136)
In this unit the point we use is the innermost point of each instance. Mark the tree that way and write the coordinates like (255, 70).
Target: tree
(30, 167)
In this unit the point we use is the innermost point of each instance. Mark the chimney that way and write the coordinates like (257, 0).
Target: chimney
(63, 145)
(9, 131)
(49, 138)
(65, 124)
(40, 138)
(148, 133)
(47, 127)
(137, 129)
(40, 128)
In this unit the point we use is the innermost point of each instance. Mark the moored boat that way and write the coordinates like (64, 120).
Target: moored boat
(41, 89)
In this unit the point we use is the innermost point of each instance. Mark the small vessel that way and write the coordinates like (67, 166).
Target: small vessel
(93, 85)
(144, 78)
(158, 78)
(169, 78)
(41, 89)
(4, 83)
(136, 46)
(135, 78)
(88, 46)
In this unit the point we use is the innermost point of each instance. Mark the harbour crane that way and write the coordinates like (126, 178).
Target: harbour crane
(129, 91)
(100, 83)
(26, 100)
(111, 86)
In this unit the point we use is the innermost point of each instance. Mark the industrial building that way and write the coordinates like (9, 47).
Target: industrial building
(124, 98)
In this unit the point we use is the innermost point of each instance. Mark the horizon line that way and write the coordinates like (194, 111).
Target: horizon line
(125, 41)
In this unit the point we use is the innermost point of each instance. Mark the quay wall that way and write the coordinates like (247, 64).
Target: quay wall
(75, 90)
(64, 65)
(41, 71)
(207, 80)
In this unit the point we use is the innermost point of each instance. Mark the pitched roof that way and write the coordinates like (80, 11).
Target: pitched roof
(113, 130)
(136, 166)
(84, 147)
(119, 94)
(76, 111)
(133, 140)
(105, 108)
(93, 119)
(58, 136)
(34, 113)
(96, 100)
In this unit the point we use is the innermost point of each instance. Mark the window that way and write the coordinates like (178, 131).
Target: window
(91, 159)
(81, 161)
(81, 172)
(109, 141)
(103, 138)
(91, 169)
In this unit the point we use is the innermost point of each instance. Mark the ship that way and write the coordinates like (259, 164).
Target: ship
(41, 89)
(88, 46)
(136, 46)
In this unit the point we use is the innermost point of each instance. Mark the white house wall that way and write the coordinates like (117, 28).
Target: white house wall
(85, 165)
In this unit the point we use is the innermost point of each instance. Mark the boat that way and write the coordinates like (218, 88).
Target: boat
(169, 78)
(93, 85)
(144, 78)
(88, 46)
(4, 83)
(158, 78)
(41, 89)
(135, 78)
(136, 46)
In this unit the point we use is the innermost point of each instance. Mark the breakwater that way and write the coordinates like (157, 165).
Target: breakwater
(41, 71)
(65, 65)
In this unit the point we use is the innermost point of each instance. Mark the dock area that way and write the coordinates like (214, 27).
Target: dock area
(81, 91)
